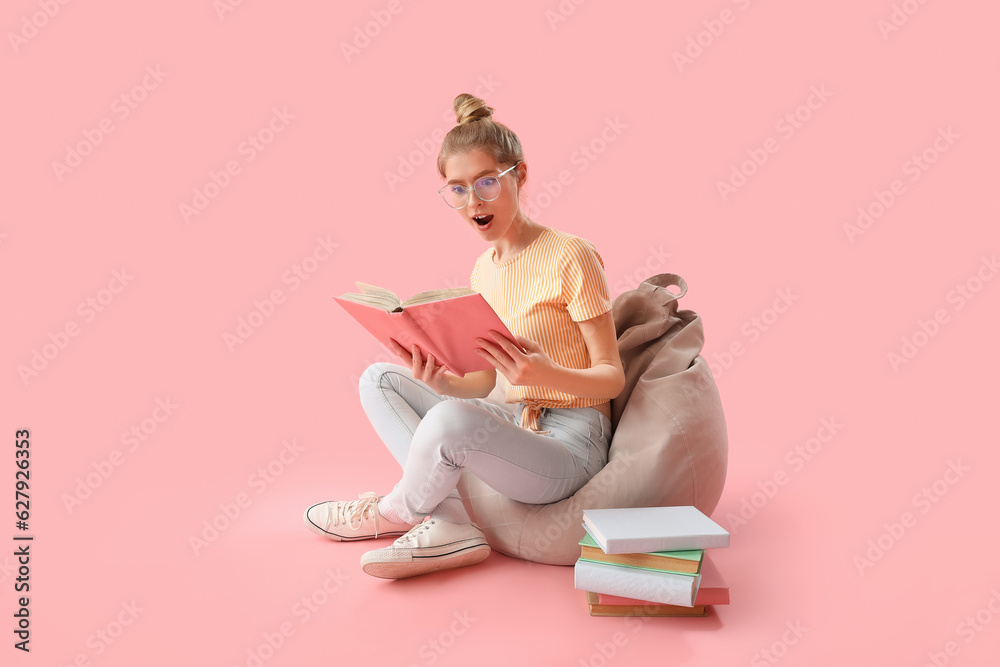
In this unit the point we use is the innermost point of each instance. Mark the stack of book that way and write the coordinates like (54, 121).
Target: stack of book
(650, 561)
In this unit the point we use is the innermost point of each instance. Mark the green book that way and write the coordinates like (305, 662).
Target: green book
(680, 562)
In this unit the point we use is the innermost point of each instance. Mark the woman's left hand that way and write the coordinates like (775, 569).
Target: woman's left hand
(528, 365)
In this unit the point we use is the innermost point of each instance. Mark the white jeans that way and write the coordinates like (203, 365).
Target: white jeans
(434, 438)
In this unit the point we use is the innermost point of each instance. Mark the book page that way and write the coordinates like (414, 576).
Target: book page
(370, 295)
(437, 295)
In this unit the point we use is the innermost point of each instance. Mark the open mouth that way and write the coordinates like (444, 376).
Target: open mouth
(483, 220)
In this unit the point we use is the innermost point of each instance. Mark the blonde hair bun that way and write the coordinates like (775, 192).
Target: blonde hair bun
(469, 108)
(489, 136)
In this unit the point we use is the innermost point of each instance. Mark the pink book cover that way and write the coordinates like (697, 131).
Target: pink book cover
(447, 328)
(713, 591)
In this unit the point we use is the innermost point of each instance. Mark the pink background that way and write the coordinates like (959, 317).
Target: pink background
(660, 135)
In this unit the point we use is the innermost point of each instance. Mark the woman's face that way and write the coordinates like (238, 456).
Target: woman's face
(492, 220)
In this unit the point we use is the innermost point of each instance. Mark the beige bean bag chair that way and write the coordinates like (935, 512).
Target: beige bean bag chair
(669, 445)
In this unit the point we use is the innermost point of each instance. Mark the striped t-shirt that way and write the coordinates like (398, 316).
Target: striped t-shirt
(557, 280)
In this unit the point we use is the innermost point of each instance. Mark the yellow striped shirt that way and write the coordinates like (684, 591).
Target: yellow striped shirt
(539, 294)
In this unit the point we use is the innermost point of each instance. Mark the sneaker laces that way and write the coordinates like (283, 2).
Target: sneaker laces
(353, 513)
(412, 534)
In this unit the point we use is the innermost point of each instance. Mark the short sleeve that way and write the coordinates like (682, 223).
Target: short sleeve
(474, 278)
(584, 284)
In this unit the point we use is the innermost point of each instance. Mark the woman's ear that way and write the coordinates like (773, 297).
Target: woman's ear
(522, 174)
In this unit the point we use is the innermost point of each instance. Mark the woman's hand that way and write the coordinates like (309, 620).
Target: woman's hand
(524, 365)
(425, 370)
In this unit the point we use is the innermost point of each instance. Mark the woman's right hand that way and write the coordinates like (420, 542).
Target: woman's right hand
(426, 370)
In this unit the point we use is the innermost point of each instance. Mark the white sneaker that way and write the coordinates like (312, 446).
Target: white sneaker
(430, 546)
(355, 520)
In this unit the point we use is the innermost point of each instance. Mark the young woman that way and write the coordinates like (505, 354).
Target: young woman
(550, 290)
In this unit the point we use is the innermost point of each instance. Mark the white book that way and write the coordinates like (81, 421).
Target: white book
(648, 529)
(636, 583)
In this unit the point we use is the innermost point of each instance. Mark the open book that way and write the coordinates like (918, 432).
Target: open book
(444, 323)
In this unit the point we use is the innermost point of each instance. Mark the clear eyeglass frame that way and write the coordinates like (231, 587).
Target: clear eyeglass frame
(481, 184)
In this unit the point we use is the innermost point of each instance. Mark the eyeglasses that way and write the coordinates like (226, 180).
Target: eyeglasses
(487, 188)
